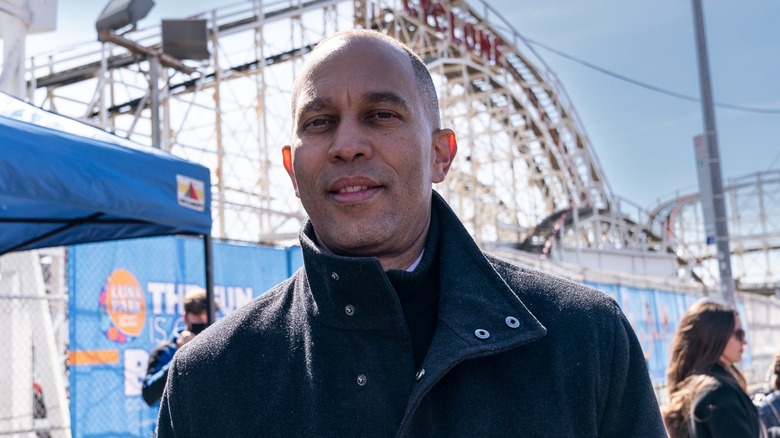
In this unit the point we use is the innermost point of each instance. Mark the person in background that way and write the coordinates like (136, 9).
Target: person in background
(398, 324)
(707, 393)
(769, 404)
(195, 320)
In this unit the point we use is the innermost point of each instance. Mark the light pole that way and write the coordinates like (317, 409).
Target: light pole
(711, 140)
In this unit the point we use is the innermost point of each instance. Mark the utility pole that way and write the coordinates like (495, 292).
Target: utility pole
(711, 139)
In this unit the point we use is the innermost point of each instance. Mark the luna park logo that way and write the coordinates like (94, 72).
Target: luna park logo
(122, 307)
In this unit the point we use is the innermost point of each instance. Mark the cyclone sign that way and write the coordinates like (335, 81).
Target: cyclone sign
(123, 307)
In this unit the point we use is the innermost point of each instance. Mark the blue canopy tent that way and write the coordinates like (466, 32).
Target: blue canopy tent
(63, 182)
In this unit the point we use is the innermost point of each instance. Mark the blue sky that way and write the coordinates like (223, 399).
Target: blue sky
(643, 138)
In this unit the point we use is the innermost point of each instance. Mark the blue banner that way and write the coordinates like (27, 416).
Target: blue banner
(654, 315)
(126, 298)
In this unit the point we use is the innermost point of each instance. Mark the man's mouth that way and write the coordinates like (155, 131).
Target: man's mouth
(352, 189)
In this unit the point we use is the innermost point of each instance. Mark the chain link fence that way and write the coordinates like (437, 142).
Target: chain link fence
(33, 320)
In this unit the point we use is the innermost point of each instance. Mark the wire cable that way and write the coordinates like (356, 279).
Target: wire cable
(646, 85)
(774, 161)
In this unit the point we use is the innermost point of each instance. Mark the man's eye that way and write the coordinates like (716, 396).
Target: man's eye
(383, 115)
(317, 123)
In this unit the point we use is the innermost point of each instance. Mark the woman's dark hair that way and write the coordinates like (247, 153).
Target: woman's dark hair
(700, 340)
(680, 407)
(698, 343)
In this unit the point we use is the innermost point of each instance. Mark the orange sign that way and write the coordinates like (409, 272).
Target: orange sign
(125, 302)
(93, 357)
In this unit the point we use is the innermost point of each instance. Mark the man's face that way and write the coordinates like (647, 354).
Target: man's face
(363, 152)
(195, 318)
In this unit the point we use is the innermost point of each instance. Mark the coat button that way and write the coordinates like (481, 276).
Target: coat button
(481, 333)
(349, 310)
(361, 379)
(419, 374)
(512, 322)
(334, 276)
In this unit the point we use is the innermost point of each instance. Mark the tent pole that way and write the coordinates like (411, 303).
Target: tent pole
(154, 90)
(208, 261)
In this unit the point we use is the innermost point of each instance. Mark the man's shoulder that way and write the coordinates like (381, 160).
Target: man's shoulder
(264, 309)
(251, 324)
(535, 287)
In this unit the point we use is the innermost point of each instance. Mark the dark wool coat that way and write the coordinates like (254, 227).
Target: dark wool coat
(723, 409)
(327, 353)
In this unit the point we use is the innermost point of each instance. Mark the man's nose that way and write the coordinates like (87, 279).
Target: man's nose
(350, 142)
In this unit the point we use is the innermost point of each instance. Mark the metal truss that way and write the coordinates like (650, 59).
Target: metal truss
(753, 206)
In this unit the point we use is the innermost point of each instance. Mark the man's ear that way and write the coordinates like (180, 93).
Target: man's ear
(287, 162)
(445, 146)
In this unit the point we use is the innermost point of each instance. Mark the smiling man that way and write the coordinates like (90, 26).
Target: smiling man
(398, 324)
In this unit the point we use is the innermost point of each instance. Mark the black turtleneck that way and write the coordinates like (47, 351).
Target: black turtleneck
(418, 292)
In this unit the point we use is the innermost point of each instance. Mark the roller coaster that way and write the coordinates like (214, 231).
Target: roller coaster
(526, 179)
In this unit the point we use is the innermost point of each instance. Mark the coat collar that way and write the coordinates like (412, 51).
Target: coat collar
(721, 373)
(478, 312)
(475, 300)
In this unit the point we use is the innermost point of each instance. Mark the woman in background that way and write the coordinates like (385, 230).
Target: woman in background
(707, 393)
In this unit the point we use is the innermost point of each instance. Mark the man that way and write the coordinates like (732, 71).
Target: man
(397, 324)
(195, 319)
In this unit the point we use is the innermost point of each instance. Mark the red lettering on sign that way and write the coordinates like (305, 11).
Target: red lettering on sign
(468, 35)
(411, 11)
(440, 17)
(453, 38)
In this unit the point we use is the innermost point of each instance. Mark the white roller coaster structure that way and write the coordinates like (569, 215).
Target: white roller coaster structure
(527, 176)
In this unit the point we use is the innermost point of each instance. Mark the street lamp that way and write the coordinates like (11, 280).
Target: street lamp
(120, 13)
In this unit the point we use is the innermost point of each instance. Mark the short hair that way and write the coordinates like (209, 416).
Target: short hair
(774, 381)
(196, 301)
(422, 76)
